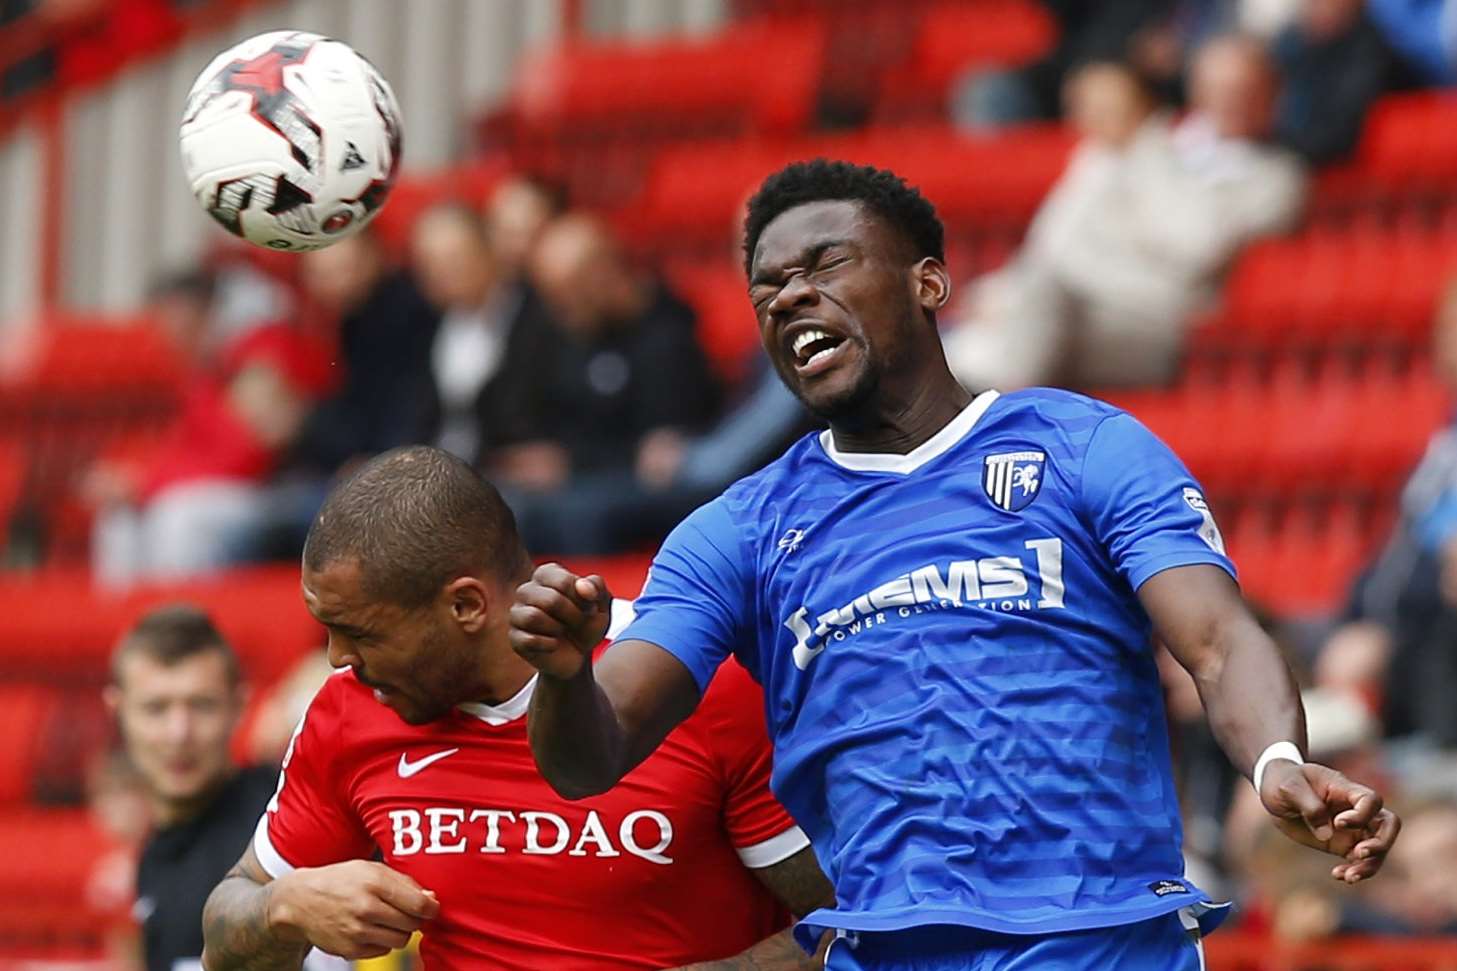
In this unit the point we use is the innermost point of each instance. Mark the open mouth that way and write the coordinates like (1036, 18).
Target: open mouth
(814, 346)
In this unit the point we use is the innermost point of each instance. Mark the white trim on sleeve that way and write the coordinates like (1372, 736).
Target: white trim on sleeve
(775, 849)
(272, 861)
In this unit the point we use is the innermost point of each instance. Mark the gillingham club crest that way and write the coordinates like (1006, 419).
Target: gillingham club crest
(1013, 479)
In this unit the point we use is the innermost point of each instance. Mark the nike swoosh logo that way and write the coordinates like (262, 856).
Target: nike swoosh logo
(408, 768)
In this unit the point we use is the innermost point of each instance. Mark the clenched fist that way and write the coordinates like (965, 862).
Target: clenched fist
(558, 619)
(1318, 807)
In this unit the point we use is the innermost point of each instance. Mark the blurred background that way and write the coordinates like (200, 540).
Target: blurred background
(1235, 218)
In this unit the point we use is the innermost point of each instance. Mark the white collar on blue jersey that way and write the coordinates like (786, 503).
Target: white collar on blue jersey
(954, 431)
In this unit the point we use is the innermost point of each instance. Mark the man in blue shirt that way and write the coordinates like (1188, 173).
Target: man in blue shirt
(949, 600)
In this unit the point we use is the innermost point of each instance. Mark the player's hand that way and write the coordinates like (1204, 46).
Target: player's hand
(558, 619)
(1318, 807)
(358, 909)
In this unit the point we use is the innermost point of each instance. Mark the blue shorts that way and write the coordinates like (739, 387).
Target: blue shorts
(1167, 943)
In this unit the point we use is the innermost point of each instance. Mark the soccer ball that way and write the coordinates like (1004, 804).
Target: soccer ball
(291, 140)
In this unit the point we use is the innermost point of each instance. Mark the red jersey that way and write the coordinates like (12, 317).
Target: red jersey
(653, 874)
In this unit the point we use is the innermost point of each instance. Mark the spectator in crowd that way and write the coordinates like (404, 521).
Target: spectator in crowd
(1335, 64)
(628, 366)
(491, 346)
(517, 213)
(1134, 236)
(386, 329)
(181, 304)
(177, 693)
(1423, 33)
(1152, 31)
(1397, 645)
(191, 506)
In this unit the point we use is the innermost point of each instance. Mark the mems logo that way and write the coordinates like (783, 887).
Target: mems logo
(1002, 583)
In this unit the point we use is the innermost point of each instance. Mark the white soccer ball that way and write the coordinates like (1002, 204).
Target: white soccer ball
(291, 140)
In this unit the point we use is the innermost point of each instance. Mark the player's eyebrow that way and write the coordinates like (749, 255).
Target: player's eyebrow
(348, 630)
(807, 257)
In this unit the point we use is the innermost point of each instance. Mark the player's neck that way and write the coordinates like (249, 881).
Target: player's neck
(897, 425)
(503, 675)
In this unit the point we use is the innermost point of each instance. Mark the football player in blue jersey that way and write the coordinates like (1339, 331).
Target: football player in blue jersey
(949, 599)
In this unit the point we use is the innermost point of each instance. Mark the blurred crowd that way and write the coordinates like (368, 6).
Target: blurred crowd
(521, 338)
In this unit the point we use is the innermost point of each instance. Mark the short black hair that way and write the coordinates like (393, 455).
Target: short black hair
(416, 518)
(170, 634)
(879, 190)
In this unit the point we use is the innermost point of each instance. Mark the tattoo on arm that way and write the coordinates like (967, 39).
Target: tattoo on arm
(798, 883)
(235, 924)
(777, 953)
(800, 886)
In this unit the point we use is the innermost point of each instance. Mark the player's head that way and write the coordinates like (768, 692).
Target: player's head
(853, 256)
(411, 565)
(177, 694)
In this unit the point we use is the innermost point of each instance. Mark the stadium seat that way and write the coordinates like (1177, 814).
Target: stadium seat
(77, 356)
(757, 76)
(1365, 285)
(955, 37)
(726, 326)
(24, 710)
(42, 634)
(694, 193)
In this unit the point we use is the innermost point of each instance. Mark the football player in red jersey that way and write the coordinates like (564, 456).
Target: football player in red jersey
(409, 798)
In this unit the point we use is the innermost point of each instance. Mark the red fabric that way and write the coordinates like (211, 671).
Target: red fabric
(645, 876)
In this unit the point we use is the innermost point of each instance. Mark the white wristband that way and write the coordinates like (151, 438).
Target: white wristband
(1278, 750)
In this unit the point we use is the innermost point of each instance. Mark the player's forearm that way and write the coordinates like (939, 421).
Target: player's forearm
(1249, 693)
(237, 934)
(777, 953)
(576, 738)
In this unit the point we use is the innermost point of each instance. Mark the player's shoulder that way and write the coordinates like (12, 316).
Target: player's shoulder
(1048, 416)
(773, 477)
(344, 701)
(1051, 406)
(729, 717)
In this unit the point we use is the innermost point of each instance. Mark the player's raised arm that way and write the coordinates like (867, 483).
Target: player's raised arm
(1254, 708)
(590, 726)
(357, 909)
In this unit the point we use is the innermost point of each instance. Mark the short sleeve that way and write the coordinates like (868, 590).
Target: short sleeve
(1144, 507)
(760, 829)
(308, 822)
(696, 599)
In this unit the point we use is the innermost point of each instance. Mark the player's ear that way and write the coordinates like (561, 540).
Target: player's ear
(932, 284)
(469, 603)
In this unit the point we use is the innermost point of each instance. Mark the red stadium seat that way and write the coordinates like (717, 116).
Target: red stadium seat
(24, 710)
(954, 37)
(726, 326)
(43, 635)
(697, 191)
(1364, 285)
(93, 356)
(754, 76)
(1411, 139)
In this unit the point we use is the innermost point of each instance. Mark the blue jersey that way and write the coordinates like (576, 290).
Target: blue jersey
(965, 710)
